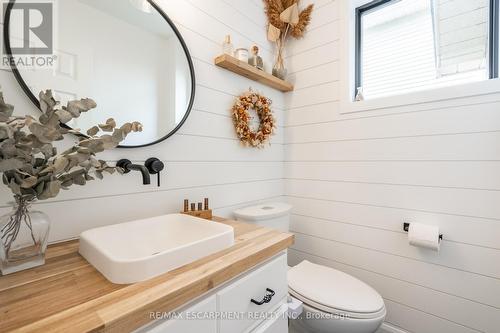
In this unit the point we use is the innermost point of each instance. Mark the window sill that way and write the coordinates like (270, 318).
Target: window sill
(444, 94)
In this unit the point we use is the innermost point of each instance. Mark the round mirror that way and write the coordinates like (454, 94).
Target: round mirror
(127, 55)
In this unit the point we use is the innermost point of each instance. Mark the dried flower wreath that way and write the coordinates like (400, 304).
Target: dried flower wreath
(242, 118)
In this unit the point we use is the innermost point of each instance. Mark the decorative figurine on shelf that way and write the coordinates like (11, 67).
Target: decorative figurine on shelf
(255, 60)
(227, 46)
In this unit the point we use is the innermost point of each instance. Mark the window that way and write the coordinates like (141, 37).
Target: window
(404, 46)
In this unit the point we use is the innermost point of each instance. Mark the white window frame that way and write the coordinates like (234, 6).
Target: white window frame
(432, 95)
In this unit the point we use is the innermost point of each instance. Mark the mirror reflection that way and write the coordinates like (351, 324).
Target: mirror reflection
(127, 57)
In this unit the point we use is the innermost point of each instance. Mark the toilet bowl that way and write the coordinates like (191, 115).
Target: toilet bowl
(333, 301)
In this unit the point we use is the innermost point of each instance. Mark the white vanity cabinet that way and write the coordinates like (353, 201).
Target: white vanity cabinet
(229, 308)
(184, 323)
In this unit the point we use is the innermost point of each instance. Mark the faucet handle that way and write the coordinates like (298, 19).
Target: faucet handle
(154, 166)
(124, 163)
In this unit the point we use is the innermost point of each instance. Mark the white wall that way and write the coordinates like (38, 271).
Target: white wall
(203, 159)
(353, 180)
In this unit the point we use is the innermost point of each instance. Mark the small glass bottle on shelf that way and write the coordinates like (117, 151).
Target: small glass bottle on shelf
(227, 46)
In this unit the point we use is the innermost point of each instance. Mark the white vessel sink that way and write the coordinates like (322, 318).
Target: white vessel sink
(139, 250)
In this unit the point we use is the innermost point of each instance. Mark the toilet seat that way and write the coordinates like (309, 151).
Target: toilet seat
(334, 311)
(334, 292)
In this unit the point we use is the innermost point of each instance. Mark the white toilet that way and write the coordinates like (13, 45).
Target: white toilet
(333, 301)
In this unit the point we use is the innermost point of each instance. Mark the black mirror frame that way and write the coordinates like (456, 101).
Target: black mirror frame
(34, 100)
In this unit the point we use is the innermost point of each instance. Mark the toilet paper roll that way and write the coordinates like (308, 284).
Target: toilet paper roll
(425, 236)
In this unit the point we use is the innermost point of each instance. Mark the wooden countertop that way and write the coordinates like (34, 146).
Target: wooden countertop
(67, 294)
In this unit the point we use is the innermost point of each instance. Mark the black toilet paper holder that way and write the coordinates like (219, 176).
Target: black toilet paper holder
(406, 227)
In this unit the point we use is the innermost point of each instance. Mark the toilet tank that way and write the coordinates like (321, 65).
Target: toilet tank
(274, 215)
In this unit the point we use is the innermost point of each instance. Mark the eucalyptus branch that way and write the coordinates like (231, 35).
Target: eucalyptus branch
(30, 163)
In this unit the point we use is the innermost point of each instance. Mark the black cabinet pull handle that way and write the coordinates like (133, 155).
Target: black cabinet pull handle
(269, 296)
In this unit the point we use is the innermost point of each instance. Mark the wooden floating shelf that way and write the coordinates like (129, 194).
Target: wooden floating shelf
(242, 68)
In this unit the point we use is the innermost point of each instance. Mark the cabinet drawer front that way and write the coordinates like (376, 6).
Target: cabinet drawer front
(236, 298)
(196, 318)
(277, 324)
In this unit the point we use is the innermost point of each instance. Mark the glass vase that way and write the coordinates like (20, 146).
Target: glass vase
(279, 69)
(23, 237)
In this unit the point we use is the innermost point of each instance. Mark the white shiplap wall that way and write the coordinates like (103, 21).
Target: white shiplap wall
(353, 179)
(203, 158)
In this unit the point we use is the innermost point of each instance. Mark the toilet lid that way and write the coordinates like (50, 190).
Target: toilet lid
(263, 212)
(333, 289)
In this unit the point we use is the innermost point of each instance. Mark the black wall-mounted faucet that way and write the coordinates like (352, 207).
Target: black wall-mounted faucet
(152, 166)
(127, 166)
